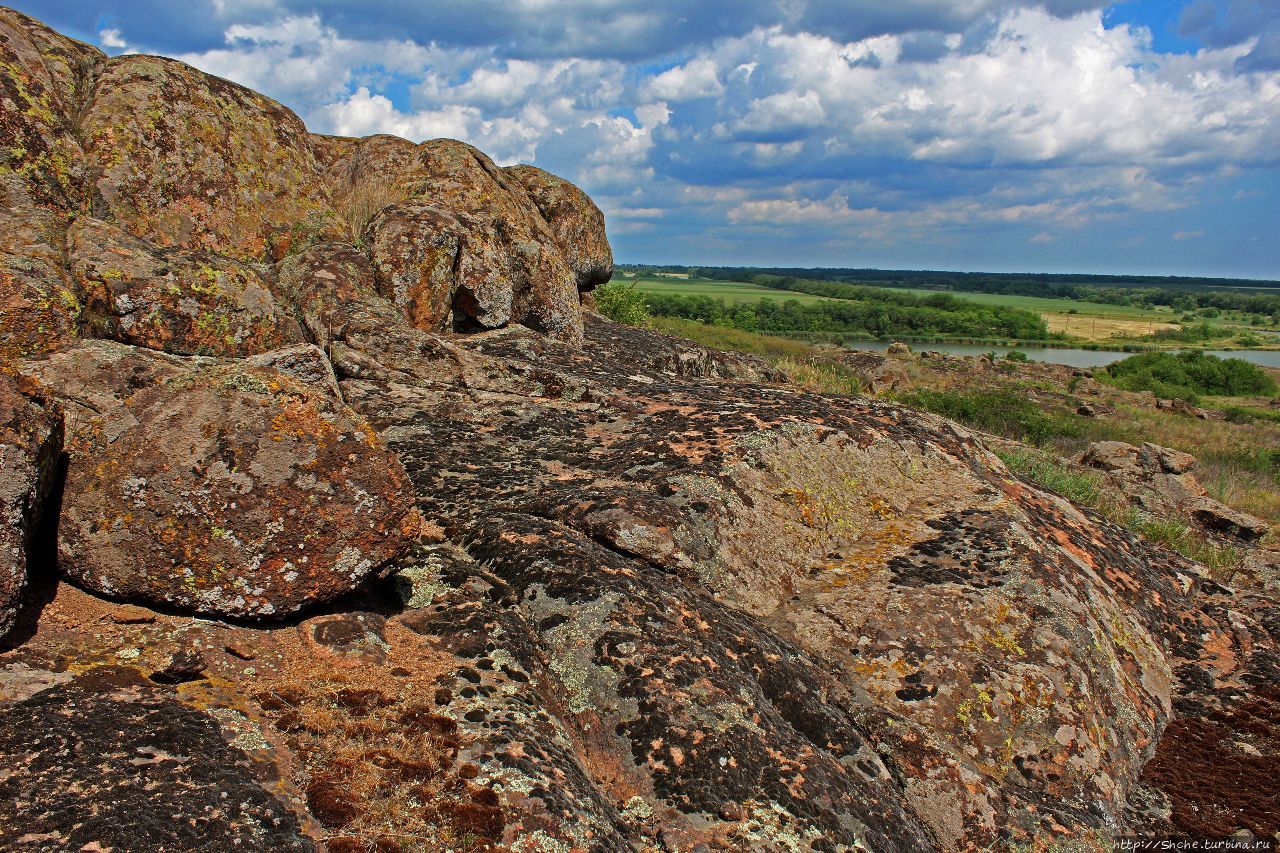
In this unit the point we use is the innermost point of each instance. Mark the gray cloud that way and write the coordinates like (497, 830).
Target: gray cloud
(1226, 23)
(527, 29)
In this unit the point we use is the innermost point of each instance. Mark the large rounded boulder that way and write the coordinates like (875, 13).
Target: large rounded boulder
(42, 75)
(184, 302)
(456, 242)
(234, 489)
(575, 220)
(183, 158)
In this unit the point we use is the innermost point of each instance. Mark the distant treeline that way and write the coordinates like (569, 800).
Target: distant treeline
(1180, 293)
(858, 311)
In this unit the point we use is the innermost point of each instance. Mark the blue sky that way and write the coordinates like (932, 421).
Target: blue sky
(1002, 135)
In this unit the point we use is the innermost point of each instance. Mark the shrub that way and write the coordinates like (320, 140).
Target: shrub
(622, 303)
(1002, 412)
(1249, 339)
(1015, 355)
(1187, 374)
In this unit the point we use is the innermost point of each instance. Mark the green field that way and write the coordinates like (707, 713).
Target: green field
(1084, 320)
(741, 291)
(1093, 322)
(1042, 305)
(729, 291)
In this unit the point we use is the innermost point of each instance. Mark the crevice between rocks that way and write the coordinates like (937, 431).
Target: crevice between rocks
(42, 559)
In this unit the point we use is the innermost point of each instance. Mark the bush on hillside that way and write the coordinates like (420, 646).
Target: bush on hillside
(1188, 374)
(622, 303)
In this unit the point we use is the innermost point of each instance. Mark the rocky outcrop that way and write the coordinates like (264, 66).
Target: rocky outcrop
(205, 175)
(30, 464)
(325, 285)
(234, 489)
(1182, 407)
(877, 373)
(177, 301)
(467, 245)
(184, 159)
(637, 595)
(1160, 480)
(1222, 519)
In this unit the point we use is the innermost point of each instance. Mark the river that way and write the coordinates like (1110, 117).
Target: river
(1070, 357)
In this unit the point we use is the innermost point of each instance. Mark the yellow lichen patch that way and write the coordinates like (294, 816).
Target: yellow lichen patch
(1000, 632)
(873, 551)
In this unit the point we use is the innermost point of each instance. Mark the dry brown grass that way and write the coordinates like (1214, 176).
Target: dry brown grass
(1102, 329)
(380, 773)
(360, 202)
(823, 377)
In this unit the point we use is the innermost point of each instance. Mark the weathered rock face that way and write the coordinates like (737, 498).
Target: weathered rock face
(459, 241)
(225, 488)
(177, 301)
(417, 256)
(1222, 519)
(30, 456)
(38, 303)
(692, 573)
(182, 158)
(575, 220)
(41, 84)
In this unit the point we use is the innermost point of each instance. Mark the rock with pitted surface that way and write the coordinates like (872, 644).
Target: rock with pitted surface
(184, 159)
(575, 220)
(44, 76)
(30, 450)
(158, 773)
(184, 302)
(227, 488)
(39, 306)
